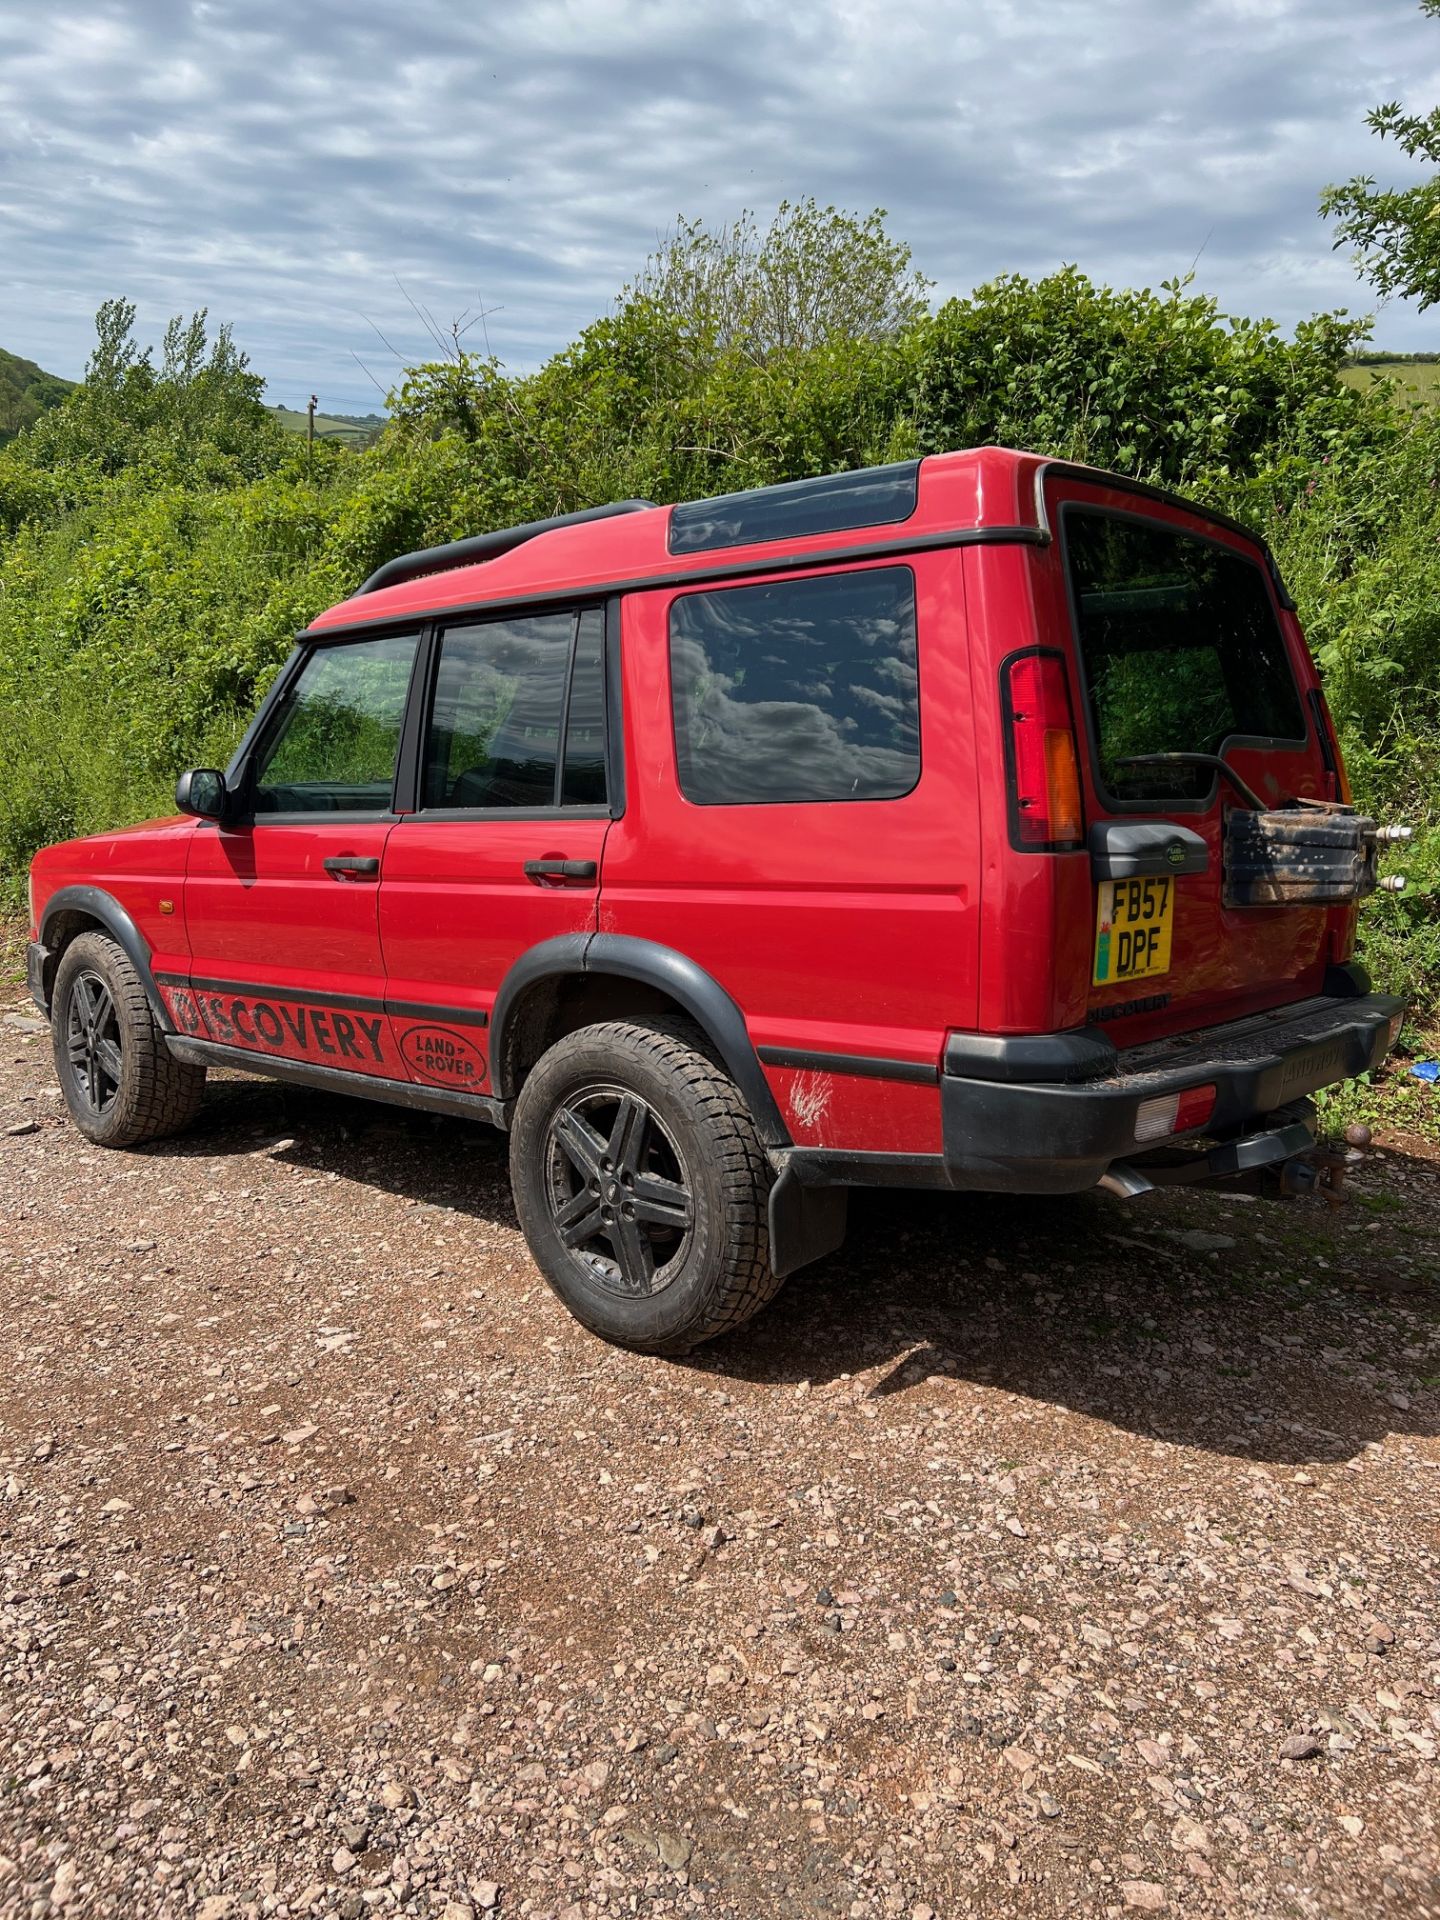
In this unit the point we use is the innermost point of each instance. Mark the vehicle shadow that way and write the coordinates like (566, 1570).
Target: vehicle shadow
(1285, 1345)
(1267, 1332)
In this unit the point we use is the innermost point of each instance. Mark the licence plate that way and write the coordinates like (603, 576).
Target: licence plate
(1133, 920)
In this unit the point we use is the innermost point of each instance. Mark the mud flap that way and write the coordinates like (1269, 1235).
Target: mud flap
(806, 1222)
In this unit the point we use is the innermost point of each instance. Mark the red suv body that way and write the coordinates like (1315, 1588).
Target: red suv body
(977, 821)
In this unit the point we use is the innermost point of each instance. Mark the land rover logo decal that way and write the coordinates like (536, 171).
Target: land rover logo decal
(1175, 853)
(442, 1057)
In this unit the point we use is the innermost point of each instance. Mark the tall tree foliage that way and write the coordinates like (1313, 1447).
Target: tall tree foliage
(196, 417)
(814, 277)
(1395, 231)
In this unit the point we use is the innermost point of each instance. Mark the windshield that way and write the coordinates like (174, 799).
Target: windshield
(1181, 652)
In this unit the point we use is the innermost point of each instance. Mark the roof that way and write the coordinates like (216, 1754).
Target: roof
(984, 493)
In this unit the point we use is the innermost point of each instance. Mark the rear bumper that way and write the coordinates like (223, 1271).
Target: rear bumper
(1061, 1135)
(1038, 1138)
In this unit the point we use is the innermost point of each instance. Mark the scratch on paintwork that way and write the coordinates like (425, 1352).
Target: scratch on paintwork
(810, 1100)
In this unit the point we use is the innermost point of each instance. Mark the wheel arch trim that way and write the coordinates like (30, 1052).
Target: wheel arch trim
(674, 974)
(95, 904)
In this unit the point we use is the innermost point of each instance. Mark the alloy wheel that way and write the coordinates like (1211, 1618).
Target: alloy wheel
(619, 1191)
(92, 1042)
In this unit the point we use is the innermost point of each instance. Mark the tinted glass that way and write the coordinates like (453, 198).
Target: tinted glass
(334, 744)
(499, 705)
(584, 783)
(802, 690)
(1181, 649)
(874, 497)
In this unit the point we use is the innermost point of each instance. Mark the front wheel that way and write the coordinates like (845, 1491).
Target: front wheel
(642, 1186)
(121, 1082)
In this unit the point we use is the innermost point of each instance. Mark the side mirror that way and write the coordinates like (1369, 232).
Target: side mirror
(201, 791)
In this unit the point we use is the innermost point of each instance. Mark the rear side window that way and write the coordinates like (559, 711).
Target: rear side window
(1181, 649)
(801, 690)
(506, 696)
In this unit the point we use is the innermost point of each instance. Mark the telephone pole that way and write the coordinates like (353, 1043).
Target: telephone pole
(310, 429)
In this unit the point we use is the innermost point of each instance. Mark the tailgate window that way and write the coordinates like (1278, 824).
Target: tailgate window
(1181, 652)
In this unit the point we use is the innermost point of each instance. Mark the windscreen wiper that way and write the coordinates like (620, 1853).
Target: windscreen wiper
(1246, 792)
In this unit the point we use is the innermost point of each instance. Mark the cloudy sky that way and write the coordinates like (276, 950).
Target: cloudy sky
(285, 162)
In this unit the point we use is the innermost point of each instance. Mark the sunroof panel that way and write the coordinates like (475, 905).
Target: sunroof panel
(834, 503)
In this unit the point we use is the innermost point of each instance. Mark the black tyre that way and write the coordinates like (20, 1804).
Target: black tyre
(120, 1081)
(642, 1187)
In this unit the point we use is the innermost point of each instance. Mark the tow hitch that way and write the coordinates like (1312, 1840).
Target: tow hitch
(1283, 1159)
(1322, 1171)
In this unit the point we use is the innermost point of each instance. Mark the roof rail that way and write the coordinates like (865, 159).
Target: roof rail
(484, 546)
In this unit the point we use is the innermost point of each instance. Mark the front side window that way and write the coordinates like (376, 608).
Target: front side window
(799, 690)
(1181, 648)
(506, 694)
(336, 736)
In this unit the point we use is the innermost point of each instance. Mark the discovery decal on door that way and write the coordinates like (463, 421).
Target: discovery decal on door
(353, 1036)
(343, 1031)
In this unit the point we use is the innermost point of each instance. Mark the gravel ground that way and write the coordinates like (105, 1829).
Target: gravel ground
(1076, 1557)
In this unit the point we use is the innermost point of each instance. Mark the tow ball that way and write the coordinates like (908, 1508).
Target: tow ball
(1321, 1172)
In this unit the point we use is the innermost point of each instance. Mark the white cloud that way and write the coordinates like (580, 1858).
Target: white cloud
(282, 163)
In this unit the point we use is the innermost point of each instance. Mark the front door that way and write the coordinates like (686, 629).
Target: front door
(504, 847)
(282, 907)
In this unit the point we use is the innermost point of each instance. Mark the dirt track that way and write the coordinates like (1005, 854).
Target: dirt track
(989, 1571)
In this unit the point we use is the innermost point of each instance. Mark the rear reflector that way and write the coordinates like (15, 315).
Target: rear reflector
(1174, 1113)
(1043, 765)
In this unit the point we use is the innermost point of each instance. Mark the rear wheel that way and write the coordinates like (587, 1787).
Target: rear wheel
(642, 1186)
(120, 1081)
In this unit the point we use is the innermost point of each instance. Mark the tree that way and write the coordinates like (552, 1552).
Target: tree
(813, 278)
(198, 415)
(1395, 231)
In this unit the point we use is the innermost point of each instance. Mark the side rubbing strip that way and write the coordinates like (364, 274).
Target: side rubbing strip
(303, 997)
(446, 1016)
(863, 1066)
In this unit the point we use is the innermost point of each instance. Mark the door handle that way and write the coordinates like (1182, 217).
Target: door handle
(560, 869)
(361, 867)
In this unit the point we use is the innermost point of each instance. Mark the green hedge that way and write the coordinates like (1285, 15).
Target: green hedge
(161, 538)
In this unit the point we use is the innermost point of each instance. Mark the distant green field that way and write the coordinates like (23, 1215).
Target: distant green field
(1420, 379)
(358, 428)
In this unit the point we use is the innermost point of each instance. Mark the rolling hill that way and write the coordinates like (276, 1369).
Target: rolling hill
(25, 392)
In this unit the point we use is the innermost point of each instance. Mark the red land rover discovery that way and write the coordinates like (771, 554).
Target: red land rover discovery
(974, 822)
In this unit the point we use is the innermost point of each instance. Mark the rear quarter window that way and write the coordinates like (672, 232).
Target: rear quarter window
(798, 690)
(1181, 651)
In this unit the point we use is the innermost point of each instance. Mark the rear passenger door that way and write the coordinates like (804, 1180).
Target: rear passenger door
(512, 802)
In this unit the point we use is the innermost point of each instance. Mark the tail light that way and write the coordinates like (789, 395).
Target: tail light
(1041, 759)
